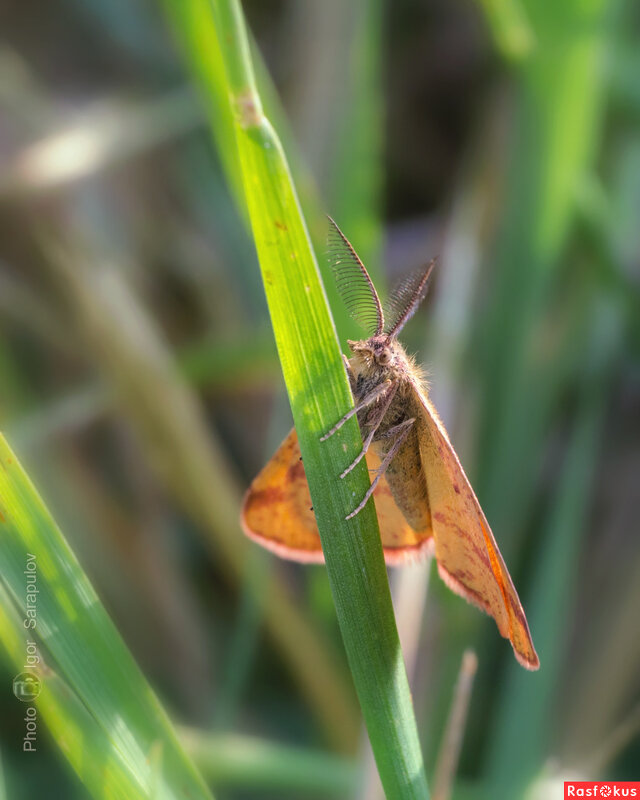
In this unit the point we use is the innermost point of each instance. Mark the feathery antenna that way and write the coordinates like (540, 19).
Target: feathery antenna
(405, 299)
(354, 284)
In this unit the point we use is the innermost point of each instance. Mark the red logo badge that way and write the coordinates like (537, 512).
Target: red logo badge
(598, 789)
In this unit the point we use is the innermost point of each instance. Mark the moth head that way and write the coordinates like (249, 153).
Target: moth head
(378, 351)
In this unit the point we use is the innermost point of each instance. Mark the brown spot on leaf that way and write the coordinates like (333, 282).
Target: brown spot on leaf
(248, 112)
(280, 225)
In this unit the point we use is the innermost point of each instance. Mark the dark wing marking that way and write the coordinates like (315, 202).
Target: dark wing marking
(354, 284)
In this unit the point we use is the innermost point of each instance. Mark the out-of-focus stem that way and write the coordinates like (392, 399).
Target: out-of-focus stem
(184, 452)
(612, 746)
(454, 732)
(246, 762)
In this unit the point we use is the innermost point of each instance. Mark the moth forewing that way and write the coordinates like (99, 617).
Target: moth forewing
(467, 555)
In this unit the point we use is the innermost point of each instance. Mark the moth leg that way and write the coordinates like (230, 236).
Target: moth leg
(350, 375)
(401, 432)
(373, 395)
(374, 419)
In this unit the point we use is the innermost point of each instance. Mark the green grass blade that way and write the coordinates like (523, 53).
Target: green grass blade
(191, 19)
(515, 761)
(246, 762)
(356, 174)
(225, 366)
(556, 128)
(193, 24)
(319, 395)
(111, 711)
(104, 769)
(510, 27)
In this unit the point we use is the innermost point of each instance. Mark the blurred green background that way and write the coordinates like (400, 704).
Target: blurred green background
(142, 392)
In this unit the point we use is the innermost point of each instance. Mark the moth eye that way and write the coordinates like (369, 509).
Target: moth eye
(384, 358)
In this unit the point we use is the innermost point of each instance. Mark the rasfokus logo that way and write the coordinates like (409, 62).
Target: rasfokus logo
(598, 789)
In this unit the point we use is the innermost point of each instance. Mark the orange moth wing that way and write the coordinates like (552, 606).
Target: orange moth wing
(468, 558)
(277, 513)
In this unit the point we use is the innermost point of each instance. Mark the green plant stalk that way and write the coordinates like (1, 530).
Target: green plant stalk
(104, 707)
(357, 174)
(319, 395)
(510, 27)
(193, 23)
(515, 760)
(557, 120)
(213, 365)
(192, 20)
(244, 762)
(3, 783)
(558, 105)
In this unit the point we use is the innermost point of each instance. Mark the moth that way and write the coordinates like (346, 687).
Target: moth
(423, 498)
